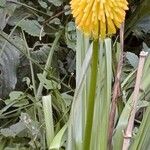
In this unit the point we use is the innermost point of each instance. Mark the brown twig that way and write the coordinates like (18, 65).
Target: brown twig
(128, 131)
(116, 89)
(54, 16)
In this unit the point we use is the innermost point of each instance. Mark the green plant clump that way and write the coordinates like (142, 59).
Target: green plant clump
(62, 90)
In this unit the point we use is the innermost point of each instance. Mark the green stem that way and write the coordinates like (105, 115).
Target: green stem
(31, 8)
(32, 71)
(48, 63)
(91, 98)
(31, 65)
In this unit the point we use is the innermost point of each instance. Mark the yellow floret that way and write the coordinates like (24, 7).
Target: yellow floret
(99, 18)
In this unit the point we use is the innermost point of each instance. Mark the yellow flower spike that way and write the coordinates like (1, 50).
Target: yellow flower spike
(99, 18)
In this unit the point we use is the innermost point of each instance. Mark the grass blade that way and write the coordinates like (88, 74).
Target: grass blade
(48, 115)
(58, 139)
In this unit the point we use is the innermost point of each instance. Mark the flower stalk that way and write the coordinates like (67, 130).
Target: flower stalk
(92, 95)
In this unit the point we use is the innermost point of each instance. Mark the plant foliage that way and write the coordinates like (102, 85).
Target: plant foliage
(46, 77)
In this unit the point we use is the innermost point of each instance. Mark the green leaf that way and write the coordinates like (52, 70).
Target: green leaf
(70, 34)
(67, 98)
(32, 27)
(17, 98)
(144, 24)
(103, 98)
(146, 48)
(48, 84)
(13, 130)
(58, 139)
(2, 143)
(141, 140)
(56, 2)
(2, 3)
(6, 11)
(133, 59)
(32, 126)
(76, 122)
(17, 16)
(9, 60)
(41, 54)
(43, 4)
(141, 11)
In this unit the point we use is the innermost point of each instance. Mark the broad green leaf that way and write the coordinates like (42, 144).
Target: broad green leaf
(41, 54)
(133, 59)
(18, 15)
(77, 116)
(6, 11)
(8, 66)
(13, 130)
(32, 27)
(103, 99)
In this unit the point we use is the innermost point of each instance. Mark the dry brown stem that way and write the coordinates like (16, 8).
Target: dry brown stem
(116, 89)
(128, 131)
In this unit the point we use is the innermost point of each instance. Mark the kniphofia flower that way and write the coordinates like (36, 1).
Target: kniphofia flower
(99, 18)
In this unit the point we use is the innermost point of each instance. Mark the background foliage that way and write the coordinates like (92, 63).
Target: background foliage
(28, 32)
